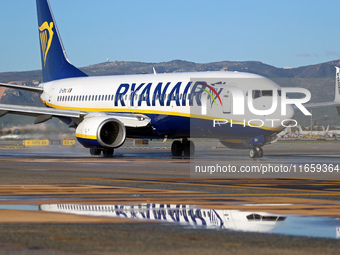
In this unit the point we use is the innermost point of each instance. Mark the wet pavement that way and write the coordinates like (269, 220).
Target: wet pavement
(157, 206)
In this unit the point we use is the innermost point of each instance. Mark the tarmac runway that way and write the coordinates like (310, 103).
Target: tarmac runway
(296, 180)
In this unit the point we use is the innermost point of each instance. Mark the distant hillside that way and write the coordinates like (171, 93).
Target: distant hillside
(319, 79)
(122, 67)
(129, 67)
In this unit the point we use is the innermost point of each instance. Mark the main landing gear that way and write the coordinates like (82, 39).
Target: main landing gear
(256, 152)
(106, 152)
(186, 147)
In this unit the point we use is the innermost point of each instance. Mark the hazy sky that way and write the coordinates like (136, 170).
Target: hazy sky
(279, 33)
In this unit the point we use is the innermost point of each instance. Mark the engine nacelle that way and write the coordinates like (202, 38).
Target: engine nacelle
(102, 132)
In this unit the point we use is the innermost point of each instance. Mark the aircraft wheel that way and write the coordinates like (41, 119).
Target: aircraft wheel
(108, 152)
(189, 148)
(176, 148)
(259, 151)
(252, 153)
(95, 152)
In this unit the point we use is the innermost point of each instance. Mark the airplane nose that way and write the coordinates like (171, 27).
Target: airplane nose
(286, 119)
(289, 112)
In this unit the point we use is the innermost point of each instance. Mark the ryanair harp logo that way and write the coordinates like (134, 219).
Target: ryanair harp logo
(46, 35)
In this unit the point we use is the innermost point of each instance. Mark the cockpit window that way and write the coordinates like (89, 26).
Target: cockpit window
(264, 93)
(254, 216)
(258, 217)
(256, 94)
(267, 93)
(269, 218)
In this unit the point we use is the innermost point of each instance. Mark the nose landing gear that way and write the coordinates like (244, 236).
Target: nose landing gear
(186, 147)
(256, 152)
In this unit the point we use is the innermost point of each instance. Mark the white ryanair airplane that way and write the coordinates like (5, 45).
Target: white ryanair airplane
(239, 109)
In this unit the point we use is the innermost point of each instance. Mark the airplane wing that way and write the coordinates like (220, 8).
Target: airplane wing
(22, 87)
(321, 105)
(312, 106)
(43, 114)
(336, 102)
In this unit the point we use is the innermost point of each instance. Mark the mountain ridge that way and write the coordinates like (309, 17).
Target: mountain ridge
(137, 67)
(319, 79)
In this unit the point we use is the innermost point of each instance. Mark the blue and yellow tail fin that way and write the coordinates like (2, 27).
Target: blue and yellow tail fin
(55, 64)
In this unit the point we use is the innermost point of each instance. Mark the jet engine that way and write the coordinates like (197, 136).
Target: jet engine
(101, 132)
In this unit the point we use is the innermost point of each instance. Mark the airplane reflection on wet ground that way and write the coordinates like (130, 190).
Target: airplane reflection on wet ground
(195, 217)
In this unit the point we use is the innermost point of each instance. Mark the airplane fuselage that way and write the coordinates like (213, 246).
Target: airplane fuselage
(174, 102)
